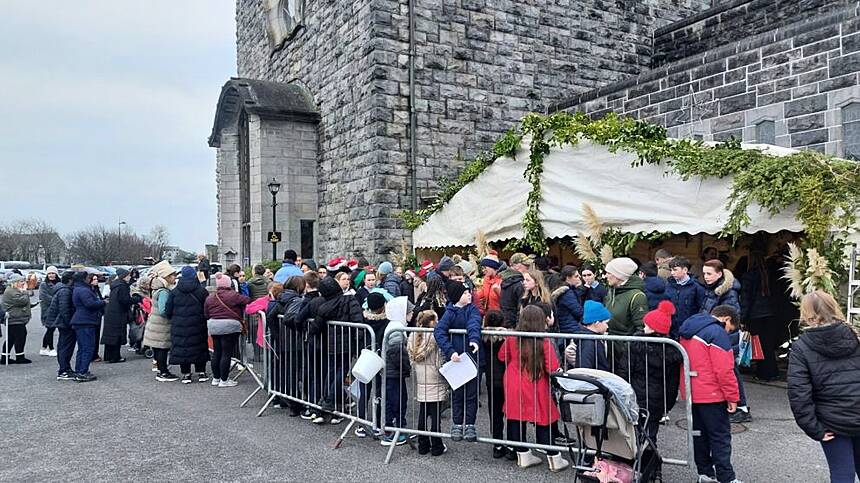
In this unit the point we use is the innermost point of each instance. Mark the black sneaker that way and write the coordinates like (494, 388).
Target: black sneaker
(166, 377)
(499, 452)
(307, 415)
(22, 360)
(88, 377)
(66, 376)
(186, 379)
(740, 416)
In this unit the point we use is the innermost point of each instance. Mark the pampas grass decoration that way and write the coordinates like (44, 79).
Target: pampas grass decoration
(606, 254)
(792, 270)
(481, 245)
(818, 274)
(583, 248)
(593, 222)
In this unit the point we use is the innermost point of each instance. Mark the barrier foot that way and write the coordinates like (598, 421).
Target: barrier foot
(339, 440)
(241, 371)
(266, 406)
(248, 399)
(391, 448)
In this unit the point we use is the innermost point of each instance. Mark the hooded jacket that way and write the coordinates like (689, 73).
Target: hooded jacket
(62, 309)
(258, 287)
(509, 298)
(287, 331)
(188, 331)
(568, 310)
(392, 284)
(655, 291)
(628, 305)
(117, 313)
(487, 297)
(88, 306)
(686, 298)
(722, 292)
(824, 381)
(590, 353)
(16, 303)
(426, 359)
(157, 333)
(711, 358)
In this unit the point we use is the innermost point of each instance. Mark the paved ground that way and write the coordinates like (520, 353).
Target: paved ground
(126, 426)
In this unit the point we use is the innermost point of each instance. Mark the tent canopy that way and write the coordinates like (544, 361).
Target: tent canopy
(631, 199)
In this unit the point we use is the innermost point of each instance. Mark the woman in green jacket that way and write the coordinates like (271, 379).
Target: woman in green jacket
(16, 303)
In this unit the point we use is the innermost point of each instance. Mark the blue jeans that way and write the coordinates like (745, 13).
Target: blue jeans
(338, 364)
(65, 349)
(464, 403)
(396, 397)
(843, 458)
(86, 348)
(713, 448)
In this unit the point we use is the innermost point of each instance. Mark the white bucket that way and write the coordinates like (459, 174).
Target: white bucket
(367, 366)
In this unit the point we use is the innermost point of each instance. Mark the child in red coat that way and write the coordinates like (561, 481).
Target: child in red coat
(529, 362)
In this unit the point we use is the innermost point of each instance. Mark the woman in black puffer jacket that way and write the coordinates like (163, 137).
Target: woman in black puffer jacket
(188, 332)
(824, 384)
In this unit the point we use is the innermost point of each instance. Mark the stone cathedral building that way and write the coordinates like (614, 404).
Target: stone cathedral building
(359, 108)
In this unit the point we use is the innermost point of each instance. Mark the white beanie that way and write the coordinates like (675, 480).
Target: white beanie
(52, 269)
(622, 268)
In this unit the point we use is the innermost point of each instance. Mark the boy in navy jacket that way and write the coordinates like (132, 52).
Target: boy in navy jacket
(461, 314)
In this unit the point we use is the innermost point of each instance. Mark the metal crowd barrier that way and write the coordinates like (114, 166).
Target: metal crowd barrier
(250, 357)
(625, 356)
(313, 372)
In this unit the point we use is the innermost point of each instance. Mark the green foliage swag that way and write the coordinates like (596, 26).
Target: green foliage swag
(824, 190)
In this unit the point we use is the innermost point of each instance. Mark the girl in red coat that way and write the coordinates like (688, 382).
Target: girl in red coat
(529, 362)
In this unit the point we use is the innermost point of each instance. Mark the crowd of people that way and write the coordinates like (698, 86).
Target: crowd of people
(189, 324)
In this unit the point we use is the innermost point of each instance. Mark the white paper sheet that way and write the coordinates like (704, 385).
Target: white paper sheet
(459, 373)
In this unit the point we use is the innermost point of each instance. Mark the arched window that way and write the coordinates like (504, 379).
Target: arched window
(851, 131)
(765, 132)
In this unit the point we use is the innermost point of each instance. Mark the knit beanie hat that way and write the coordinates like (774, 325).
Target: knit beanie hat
(312, 265)
(52, 269)
(594, 312)
(466, 266)
(660, 320)
(622, 268)
(14, 278)
(491, 261)
(385, 268)
(121, 272)
(445, 264)
(375, 301)
(455, 290)
(222, 281)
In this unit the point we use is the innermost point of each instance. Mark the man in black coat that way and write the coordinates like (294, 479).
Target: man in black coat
(188, 333)
(117, 316)
(204, 267)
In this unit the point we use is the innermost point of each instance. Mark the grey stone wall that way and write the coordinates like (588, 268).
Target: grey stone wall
(480, 66)
(799, 77)
(227, 180)
(733, 20)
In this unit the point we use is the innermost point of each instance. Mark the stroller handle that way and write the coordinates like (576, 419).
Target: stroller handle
(584, 378)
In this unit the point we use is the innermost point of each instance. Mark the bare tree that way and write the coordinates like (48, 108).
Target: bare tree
(101, 246)
(32, 240)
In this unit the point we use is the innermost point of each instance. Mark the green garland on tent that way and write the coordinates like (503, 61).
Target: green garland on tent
(825, 190)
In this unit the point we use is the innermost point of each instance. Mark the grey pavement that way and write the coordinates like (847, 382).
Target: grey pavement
(127, 426)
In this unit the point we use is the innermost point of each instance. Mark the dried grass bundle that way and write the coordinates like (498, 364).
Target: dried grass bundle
(593, 222)
(583, 248)
(606, 254)
(793, 270)
(481, 244)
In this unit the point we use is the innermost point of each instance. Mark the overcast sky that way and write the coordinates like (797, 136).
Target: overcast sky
(106, 108)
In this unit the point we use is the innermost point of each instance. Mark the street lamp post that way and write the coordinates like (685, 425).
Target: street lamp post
(119, 240)
(274, 187)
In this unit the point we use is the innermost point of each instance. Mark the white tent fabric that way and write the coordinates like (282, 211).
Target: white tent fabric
(643, 198)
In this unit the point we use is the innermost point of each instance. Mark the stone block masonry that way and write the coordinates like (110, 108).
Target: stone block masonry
(480, 66)
(799, 77)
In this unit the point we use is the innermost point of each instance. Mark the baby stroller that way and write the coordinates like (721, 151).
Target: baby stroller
(603, 411)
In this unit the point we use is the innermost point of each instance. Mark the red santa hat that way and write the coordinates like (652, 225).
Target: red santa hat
(335, 263)
(352, 264)
(426, 265)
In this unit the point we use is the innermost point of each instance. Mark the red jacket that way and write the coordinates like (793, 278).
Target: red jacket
(527, 400)
(711, 358)
(487, 298)
(225, 303)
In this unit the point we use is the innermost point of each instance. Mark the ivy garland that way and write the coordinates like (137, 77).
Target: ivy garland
(825, 190)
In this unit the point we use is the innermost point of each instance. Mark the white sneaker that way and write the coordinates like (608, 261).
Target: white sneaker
(52, 353)
(44, 351)
(216, 382)
(707, 479)
(227, 383)
(154, 366)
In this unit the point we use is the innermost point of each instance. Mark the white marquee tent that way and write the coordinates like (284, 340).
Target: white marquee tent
(632, 199)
